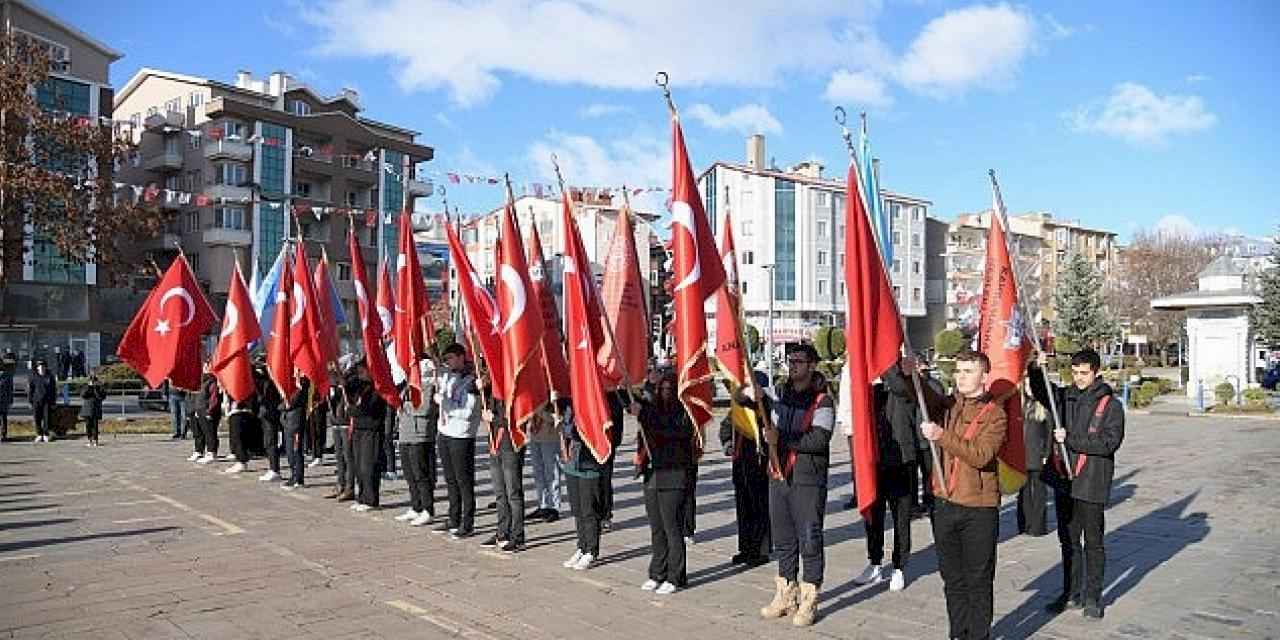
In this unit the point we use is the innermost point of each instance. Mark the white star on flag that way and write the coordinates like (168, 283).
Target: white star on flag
(162, 327)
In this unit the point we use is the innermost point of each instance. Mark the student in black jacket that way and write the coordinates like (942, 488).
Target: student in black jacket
(93, 395)
(269, 402)
(295, 426)
(750, 490)
(1093, 428)
(367, 411)
(42, 391)
(206, 412)
(1037, 436)
(344, 489)
(668, 434)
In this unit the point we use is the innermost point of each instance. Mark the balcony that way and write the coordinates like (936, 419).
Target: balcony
(230, 237)
(165, 160)
(228, 193)
(228, 150)
(169, 122)
(419, 188)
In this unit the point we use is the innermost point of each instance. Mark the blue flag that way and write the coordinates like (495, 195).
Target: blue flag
(264, 294)
(880, 222)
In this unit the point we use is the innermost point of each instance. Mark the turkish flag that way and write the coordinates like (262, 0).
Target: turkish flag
(552, 335)
(412, 312)
(522, 332)
(279, 353)
(324, 306)
(371, 331)
(590, 410)
(482, 312)
(697, 273)
(731, 348)
(230, 363)
(163, 340)
(623, 294)
(873, 334)
(306, 326)
(1002, 336)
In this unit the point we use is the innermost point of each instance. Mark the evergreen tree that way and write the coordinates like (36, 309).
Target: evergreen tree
(1266, 316)
(1082, 316)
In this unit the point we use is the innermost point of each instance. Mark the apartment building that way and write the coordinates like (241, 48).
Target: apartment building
(247, 164)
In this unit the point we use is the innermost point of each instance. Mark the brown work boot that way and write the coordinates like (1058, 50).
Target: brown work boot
(347, 496)
(784, 600)
(808, 605)
(333, 494)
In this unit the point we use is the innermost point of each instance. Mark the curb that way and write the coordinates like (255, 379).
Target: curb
(1234, 416)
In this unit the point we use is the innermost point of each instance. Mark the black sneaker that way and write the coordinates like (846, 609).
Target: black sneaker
(461, 534)
(536, 514)
(1093, 611)
(757, 560)
(511, 546)
(551, 516)
(738, 558)
(1062, 603)
(492, 541)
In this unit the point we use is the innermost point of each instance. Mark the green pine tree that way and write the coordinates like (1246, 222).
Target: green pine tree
(1266, 316)
(1082, 316)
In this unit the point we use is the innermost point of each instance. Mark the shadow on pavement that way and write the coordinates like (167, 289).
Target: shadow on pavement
(36, 544)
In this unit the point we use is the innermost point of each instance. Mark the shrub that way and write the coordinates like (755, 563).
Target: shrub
(946, 372)
(1150, 388)
(949, 342)
(1225, 393)
(1255, 397)
(118, 372)
(830, 369)
(1143, 397)
(1165, 385)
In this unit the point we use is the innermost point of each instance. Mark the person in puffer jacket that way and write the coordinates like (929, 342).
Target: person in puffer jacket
(459, 422)
(417, 424)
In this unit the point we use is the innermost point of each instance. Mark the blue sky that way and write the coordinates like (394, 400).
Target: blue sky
(1113, 113)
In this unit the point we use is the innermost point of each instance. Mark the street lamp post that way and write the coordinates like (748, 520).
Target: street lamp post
(769, 323)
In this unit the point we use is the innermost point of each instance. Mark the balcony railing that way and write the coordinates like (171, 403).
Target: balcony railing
(168, 122)
(229, 193)
(166, 160)
(228, 149)
(233, 237)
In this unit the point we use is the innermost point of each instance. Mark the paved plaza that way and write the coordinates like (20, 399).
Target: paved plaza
(131, 541)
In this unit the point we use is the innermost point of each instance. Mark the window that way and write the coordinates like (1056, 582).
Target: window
(172, 145)
(897, 292)
(229, 218)
(822, 228)
(302, 189)
(135, 121)
(298, 107)
(822, 287)
(915, 294)
(173, 183)
(271, 159)
(896, 210)
(191, 222)
(742, 285)
(897, 266)
(195, 99)
(344, 271)
(842, 289)
(194, 260)
(748, 227)
(351, 198)
(151, 111)
(229, 174)
(915, 266)
(917, 213)
(173, 106)
(748, 257)
(821, 198)
(59, 54)
(233, 130)
(915, 239)
(822, 258)
(842, 261)
(897, 237)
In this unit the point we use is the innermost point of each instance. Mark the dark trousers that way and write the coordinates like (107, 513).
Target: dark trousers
(236, 425)
(205, 434)
(319, 434)
(924, 480)
(366, 445)
(894, 485)
(271, 442)
(506, 472)
(458, 456)
(606, 487)
(666, 511)
(293, 449)
(1076, 519)
(91, 429)
(345, 474)
(966, 541)
(1033, 502)
(689, 523)
(4, 423)
(419, 461)
(389, 446)
(587, 502)
(796, 513)
(40, 413)
(751, 502)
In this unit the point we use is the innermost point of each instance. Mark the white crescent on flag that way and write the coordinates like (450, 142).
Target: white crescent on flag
(229, 323)
(384, 314)
(186, 297)
(301, 307)
(512, 280)
(362, 299)
(682, 214)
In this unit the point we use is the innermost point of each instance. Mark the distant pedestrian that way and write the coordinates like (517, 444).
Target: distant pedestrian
(91, 410)
(42, 392)
(7, 366)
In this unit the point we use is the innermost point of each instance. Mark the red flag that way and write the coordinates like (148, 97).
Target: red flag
(386, 299)
(730, 348)
(371, 329)
(482, 312)
(697, 273)
(412, 310)
(522, 332)
(324, 306)
(873, 334)
(553, 335)
(230, 363)
(306, 342)
(279, 353)
(590, 410)
(1001, 335)
(623, 294)
(163, 340)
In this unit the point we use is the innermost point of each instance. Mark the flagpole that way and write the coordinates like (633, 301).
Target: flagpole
(902, 320)
(736, 300)
(476, 353)
(999, 215)
(613, 341)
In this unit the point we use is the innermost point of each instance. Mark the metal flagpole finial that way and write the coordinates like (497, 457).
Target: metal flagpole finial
(842, 119)
(555, 163)
(663, 80)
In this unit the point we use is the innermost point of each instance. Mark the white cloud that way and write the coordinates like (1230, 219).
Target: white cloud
(858, 88)
(1175, 224)
(445, 121)
(467, 48)
(975, 46)
(601, 110)
(636, 160)
(745, 119)
(1138, 115)
(1197, 78)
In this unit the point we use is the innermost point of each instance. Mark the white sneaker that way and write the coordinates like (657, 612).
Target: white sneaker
(665, 588)
(268, 476)
(353, 506)
(423, 519)
(649, 585)
(390, 476)
(228, 456)
(407, 515)
(315, 463)
(584, 562)
(88, 444)
(195, 455)
(361, 508)
(206, 459)
(873, 574)
(573, 559)
(235, 468)
(689, 541)
(897, 581)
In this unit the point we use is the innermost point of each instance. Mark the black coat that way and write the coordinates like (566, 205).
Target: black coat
(809, 441)
(367, 410)
(669, 434)
(295, 411)
(93, 395)
(1076, 408)
(6, 389)
(897, 420)
(42, 389)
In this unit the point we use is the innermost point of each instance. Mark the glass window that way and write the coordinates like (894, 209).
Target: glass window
(302, 189)
(842, 261)
(173, 105)
(915, 239)
(896, 210)
(172, 145)
(392, 193)
(897, 292)
(191, 222)
(784, 239)
(298, 107)
(344, 271)
(742, 286)
(917, 213)
(915, 294)
(748, 227)
(195, 99)
(233, 130)
(822, 287)
(194, 260)
(173, 183)
(272, 160)
(822, 228)
(56, 94)
(822, 258)
(915, 266)
(897, 266)
(897, 237)
(50, 265)
(135, 120)
(229, 218)
(748, 257)
(230, 173)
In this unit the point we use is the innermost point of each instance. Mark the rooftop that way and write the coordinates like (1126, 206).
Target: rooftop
(62, 24)
(818, 182)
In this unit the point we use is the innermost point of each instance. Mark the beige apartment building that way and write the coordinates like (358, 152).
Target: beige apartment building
(245, 165)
